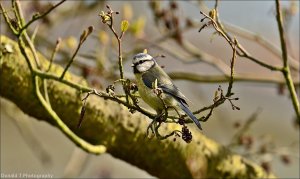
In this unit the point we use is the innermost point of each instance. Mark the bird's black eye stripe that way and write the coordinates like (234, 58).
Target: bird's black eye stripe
(142, 61)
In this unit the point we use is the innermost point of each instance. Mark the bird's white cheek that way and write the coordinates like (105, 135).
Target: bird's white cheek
(145, 66)
(142, 68)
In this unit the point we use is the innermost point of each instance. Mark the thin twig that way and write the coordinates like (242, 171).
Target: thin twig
(126, 104)
(70, 61)
(18, 13)
(99, 149)
(32, 49)
(228, 94)
(222, 98)
(80, 142)
(286, 68)
(34, 33)
(22, 46)
(110, 23)
(40, 16)
(190, 76)
(83, 37)
(71, 84)
(239, 31)
(218, 27)
(95, 149)
(252, 36)
(53, 54)
(8, 20)
(45, 87)
(119, 39)
(281, 34)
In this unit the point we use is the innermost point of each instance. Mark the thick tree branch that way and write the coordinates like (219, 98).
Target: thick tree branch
(110, 124)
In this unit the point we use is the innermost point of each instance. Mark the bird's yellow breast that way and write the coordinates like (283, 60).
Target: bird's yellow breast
(151, 98)
(148, 95)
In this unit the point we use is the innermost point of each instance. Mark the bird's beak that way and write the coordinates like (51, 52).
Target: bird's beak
(132, 65)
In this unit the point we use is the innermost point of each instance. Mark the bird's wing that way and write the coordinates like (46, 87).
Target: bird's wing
(164, 83)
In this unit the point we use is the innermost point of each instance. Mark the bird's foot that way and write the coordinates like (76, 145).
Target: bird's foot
(154, 125)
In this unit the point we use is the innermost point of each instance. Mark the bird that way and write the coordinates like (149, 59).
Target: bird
(150, 76)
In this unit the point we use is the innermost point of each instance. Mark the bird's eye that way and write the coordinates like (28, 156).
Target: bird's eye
(142, 61)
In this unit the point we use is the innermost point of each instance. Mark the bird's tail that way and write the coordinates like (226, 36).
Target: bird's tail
(185, 108)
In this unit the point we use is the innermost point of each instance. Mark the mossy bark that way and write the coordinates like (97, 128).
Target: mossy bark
(110, 124)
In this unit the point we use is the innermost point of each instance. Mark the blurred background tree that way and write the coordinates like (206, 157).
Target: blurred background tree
(197, 61)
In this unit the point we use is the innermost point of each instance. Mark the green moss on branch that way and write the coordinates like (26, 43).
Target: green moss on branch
(110, 124)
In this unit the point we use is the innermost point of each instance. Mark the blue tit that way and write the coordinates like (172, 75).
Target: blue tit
(147, 73)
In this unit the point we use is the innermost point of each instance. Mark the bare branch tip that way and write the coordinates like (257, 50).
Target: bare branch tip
(58, 41)
(90, 29)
